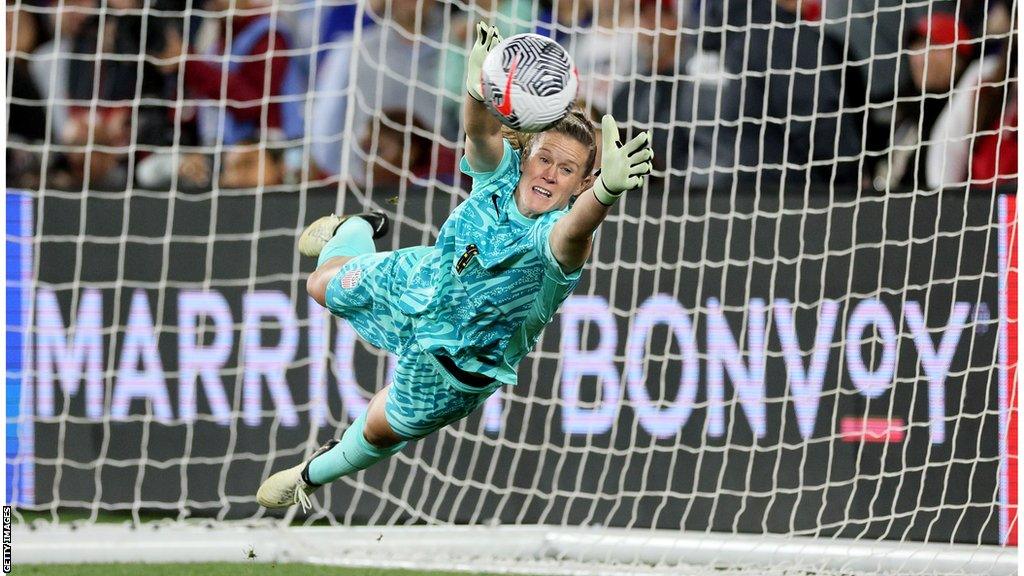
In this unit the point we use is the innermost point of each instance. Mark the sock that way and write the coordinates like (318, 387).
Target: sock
(350, 455)
(352, 238)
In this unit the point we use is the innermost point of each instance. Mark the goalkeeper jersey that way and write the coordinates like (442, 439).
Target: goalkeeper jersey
(490, 284)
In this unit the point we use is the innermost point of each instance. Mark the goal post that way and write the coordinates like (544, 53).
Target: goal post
(765, 364)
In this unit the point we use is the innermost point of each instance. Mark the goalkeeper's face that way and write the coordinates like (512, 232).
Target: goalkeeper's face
(553, 172)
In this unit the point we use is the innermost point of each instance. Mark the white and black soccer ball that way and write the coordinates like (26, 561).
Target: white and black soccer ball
(529, 82)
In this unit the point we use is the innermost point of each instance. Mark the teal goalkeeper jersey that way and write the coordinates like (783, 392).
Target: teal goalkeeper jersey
(490, 284)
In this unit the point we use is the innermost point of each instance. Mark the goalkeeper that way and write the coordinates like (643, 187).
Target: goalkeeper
(460, 315)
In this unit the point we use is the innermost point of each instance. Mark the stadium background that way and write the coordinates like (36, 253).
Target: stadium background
(802, 176)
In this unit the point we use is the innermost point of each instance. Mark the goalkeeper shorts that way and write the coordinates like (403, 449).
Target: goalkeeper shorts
(425, 397)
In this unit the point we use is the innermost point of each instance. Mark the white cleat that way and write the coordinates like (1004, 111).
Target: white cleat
(317, 234)
(291, 486)
(320, 232)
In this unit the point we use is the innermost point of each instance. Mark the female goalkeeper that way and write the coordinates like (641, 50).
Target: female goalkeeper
(460, 315)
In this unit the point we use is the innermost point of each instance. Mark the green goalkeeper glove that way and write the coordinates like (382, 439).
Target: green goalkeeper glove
(623, 166)
(487, 37)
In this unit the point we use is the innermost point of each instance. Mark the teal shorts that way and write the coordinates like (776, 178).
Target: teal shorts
(424, 397)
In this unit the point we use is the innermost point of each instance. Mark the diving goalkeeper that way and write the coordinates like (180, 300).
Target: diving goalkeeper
(461, 314)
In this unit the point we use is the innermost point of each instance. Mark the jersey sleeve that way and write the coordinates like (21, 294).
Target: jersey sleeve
(542, 243)
(507, 170)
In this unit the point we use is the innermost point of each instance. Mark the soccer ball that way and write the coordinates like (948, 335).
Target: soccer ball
(529, 82)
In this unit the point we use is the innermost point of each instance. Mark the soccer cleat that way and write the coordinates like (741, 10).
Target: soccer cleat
(291, 486)
(320, 232)
(378, 221)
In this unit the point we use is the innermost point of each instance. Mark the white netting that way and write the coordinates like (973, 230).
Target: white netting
(804, 325)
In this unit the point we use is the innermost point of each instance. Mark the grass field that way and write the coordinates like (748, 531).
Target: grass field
(220, 569)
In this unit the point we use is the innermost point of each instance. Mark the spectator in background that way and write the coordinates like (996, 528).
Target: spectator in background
(130, 82)
(100, 67)
(317, 24)
(873, 29)
(186, 171)
(26, 119)
(397, 150)
(397, 66)
(98, 78)
(261, 94)
(561, 20)
(984, 99)
(249, 164)
(604, 53)
(994, 162)
(985, 18)
(660, 96)
(112, 48)
(252, 165)
(994, 157)
(939, 53)
(97, 160)
(62, 68)
(797, 104)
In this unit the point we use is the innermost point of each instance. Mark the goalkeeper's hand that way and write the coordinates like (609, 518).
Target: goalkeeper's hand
(487, 37)
(623, 166)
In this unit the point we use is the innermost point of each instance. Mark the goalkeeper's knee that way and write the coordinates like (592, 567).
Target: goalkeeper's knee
(319, 279)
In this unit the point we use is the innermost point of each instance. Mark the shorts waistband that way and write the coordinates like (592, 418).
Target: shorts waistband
(468, 378)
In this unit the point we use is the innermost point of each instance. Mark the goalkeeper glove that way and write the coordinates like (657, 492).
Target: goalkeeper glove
(487, 37)
(623, 166)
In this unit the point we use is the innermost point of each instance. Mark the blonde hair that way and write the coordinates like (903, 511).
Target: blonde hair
(576, 125)
(520, 141)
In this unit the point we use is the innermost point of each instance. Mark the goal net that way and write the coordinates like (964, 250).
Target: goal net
(795, 347)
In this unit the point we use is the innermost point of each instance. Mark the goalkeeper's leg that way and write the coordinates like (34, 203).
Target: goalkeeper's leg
(334, 240)
(422, 399)
(367, 441)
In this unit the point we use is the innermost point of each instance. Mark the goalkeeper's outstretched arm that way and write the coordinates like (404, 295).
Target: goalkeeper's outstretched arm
(484, 145)
(623, 167)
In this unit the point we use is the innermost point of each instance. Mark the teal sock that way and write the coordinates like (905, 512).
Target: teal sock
(353, 238)
(352, 454)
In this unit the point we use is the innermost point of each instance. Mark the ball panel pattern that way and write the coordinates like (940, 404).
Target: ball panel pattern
(543, 84)
(543, 67)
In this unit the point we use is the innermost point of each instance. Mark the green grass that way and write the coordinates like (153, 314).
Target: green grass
(67, 515)
(75, 514)
(218, 569)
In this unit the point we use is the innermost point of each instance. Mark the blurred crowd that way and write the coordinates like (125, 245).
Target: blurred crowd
(807, 95)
